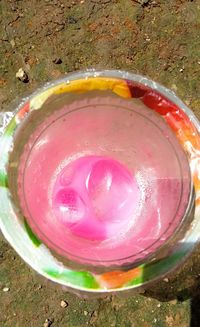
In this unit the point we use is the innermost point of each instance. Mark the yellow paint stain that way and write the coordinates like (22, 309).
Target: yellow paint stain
(119, 87)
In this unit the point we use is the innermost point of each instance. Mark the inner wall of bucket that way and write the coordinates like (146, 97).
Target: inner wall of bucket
(101, 180)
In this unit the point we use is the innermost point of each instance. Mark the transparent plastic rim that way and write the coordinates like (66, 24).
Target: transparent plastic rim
(30, 248)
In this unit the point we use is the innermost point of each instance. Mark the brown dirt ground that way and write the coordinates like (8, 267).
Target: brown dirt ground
(159, 39)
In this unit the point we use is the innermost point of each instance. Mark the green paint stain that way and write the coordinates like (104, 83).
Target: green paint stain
(3, 179)
(134, 282)
(11, 127)
(78, 278)
(151, 270)
(30, 233)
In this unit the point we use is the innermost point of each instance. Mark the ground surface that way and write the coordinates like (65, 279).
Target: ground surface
(159, 39)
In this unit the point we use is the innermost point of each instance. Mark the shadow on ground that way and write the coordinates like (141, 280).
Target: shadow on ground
(181, 285)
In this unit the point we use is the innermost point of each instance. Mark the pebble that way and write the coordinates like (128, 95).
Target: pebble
(64, 304)
(72, 20)
(57, 61)
(6, 289)
(85, 313)
(174, 87)
(12, 42)
(22, 75)
(158, 305)
(143, 2)
(166, 280)
(47, 323)
(173, 302)
(188, 102)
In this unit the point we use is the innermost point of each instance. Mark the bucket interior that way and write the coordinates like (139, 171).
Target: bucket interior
(100, 179)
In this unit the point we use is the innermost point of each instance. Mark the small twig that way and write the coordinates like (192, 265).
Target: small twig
(14, 20)
(4, 40)
(103, 2)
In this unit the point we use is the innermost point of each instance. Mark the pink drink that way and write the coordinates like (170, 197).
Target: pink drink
(105, 181)
(95, 198)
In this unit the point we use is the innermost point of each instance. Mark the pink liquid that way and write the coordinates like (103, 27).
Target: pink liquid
(95, 197)
(104, 180)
